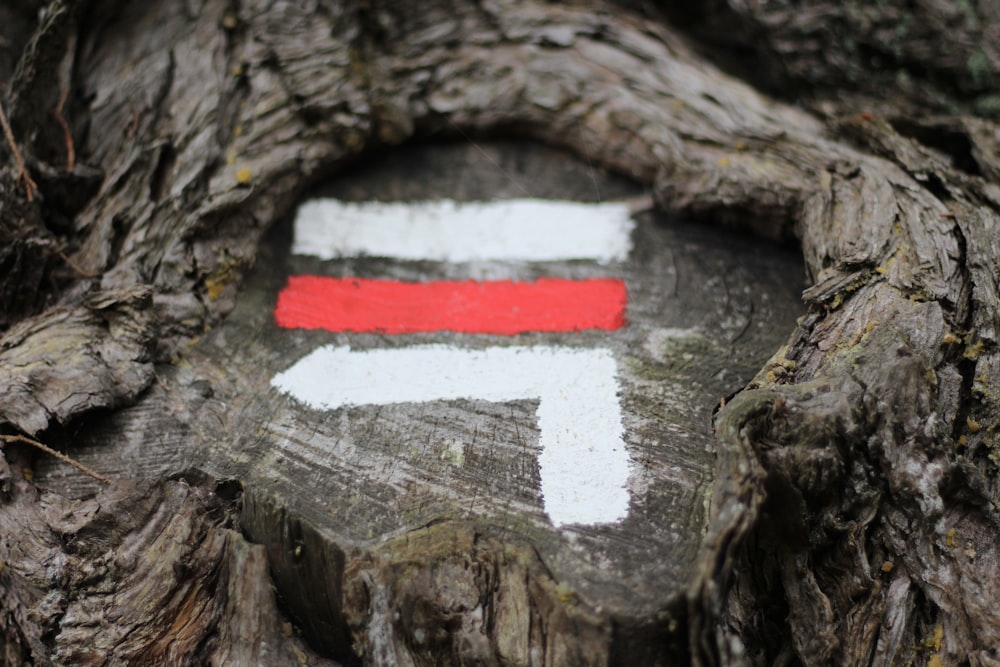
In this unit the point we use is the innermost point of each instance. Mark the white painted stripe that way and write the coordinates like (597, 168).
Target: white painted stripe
(584, 465)
(531, 230)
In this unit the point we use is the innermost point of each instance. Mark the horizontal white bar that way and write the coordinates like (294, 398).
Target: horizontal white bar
(584, 465)
(533, 230)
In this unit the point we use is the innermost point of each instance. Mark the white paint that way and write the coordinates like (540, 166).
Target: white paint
(584, 465)
(532, 230)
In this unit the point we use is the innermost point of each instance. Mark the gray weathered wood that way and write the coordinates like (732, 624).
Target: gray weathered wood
(853, 505)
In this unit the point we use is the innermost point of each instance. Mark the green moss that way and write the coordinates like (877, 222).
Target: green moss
(898, 42)
(971, 17)
(980, 70)
(987, 106)
(679, 353)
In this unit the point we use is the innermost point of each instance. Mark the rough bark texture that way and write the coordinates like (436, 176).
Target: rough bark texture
(854, 514)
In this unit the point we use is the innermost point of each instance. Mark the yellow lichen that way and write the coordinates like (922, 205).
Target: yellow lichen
(214, 287)
(973, 351)
(951, 339)
(933, 643)
(885, 269)
(226, 273)
(949, 540)
(974, 426)
(888, 566)
(244, 175)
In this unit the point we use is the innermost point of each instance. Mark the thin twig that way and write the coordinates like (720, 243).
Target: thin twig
(62, 99)
(67, 135)
(59, 455)
(76, 267)
(29, 185)
(134, 125)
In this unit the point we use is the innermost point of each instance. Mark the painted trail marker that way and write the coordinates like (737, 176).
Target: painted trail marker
(525, 230)
(500, 307)
(584, 464)
(334, 495)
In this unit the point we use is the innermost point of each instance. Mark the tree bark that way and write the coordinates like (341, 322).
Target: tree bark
(853, 509)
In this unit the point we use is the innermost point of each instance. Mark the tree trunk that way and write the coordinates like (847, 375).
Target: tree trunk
(852, 501)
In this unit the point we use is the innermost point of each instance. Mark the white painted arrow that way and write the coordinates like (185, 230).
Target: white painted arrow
(584, 465)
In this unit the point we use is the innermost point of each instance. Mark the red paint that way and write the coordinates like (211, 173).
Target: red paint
(492, 307)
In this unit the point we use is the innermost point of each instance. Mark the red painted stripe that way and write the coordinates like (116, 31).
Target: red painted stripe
(493, 307)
